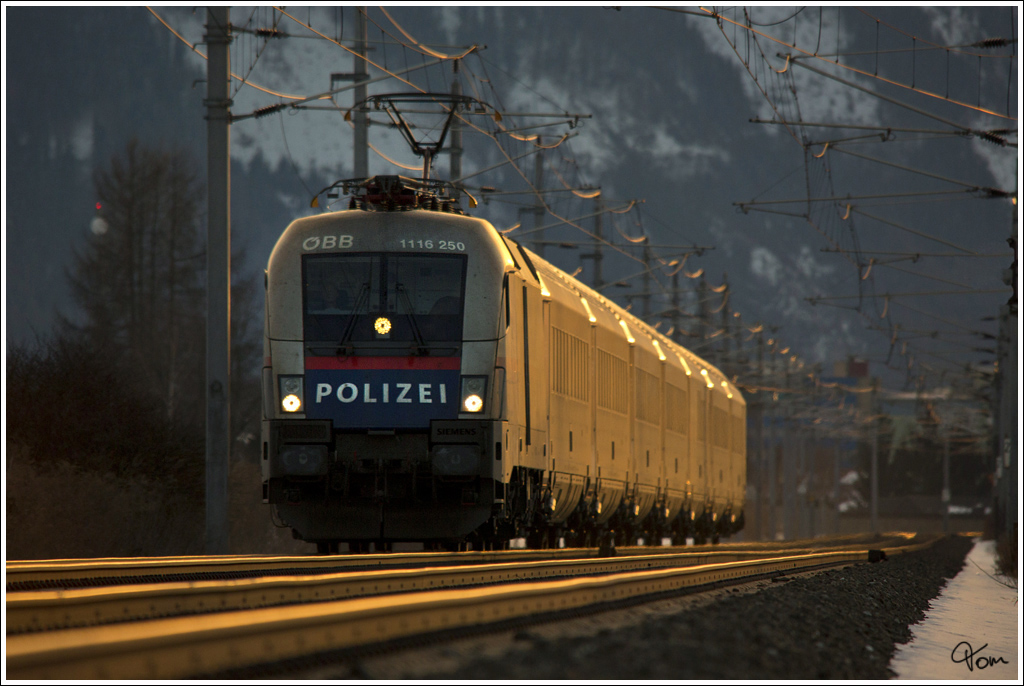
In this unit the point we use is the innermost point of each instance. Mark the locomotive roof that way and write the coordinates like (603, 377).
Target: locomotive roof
(392, 193)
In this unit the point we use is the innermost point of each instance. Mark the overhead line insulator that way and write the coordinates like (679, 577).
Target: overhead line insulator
(993, 43)
(269, 109)
(992, 138)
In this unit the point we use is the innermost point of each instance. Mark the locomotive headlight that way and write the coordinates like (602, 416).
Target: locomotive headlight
(474, 390)
(291, 387)
(382, 325)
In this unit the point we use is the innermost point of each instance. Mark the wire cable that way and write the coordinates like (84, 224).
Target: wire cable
(952, 101)
(193, 48)
(419, 46)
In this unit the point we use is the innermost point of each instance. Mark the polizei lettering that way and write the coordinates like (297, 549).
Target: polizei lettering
(377, 398)
(403, 393)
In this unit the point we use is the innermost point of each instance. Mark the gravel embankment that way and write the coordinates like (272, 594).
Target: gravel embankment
(837, 624)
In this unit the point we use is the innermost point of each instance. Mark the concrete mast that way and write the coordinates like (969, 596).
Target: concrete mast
(218, 278)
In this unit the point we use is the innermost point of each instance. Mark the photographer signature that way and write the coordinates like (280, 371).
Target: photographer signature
(963, 652)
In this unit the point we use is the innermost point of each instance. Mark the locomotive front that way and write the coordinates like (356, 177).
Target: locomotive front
(380, 411)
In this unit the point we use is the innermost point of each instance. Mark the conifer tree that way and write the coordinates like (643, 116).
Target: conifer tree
(139, 282)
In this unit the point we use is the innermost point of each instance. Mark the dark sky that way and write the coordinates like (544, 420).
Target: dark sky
(670, 95)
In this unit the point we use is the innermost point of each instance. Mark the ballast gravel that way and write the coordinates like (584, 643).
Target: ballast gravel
(841, 623)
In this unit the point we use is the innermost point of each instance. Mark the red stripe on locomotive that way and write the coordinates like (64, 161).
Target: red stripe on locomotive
(375, 363)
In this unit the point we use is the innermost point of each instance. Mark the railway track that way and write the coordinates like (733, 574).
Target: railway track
(174, 629)
(36, 575)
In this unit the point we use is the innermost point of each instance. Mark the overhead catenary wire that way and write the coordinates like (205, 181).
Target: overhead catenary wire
(989, 43)
(995, 135)
(419, 46)
(753, 205)
(920, 172)
(194, 49)
(923, 276)
(823, 298)
(746, 64)
(913, 256)
(392, 74)
(470, 124)
(858, 71)
(265, 34)
(309, 27)
(549, 204)
(915, 232)
(959, 325)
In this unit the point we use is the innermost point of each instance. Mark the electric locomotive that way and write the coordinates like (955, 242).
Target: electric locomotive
(427, 379)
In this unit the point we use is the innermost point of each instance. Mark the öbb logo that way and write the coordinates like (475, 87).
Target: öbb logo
(327, 242)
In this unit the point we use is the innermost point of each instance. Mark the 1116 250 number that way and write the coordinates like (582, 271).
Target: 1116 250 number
(429, 244)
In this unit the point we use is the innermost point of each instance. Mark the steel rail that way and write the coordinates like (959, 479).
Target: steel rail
(69, 608)
(82, 571)
(203, 644)
(21, 574)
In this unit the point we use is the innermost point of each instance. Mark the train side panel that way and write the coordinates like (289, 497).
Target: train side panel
(647, 373)
(612, 418)
(677, 437)
(738, 436)
(570, 422)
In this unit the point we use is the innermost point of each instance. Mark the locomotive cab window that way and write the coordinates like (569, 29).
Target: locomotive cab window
(399, 297)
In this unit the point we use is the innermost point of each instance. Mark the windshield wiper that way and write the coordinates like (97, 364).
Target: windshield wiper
(364, 292)
(421, 345)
